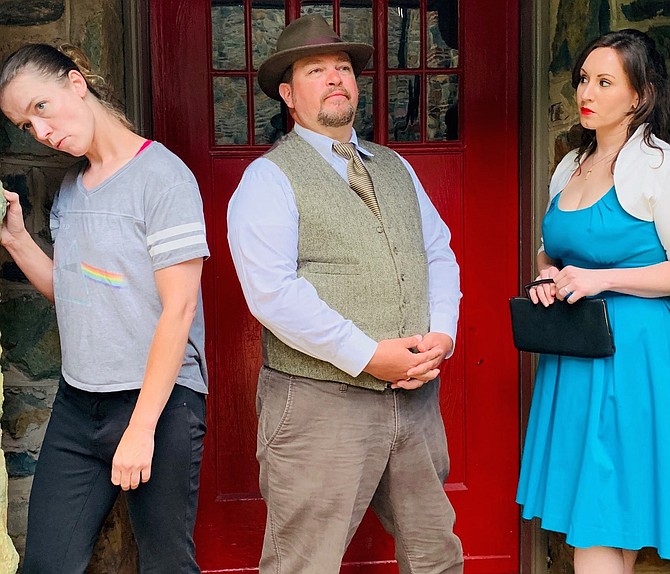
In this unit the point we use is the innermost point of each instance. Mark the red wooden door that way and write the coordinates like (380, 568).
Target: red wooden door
(442, 90)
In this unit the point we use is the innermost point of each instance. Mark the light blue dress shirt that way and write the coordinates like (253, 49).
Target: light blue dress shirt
(263, 238)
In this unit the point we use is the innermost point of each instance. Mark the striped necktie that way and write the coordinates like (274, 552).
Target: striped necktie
(359, 178)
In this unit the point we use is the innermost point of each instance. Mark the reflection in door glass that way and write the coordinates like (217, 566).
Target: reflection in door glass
(363, 124)
(442, 116)
(323, 8)
(230, 111)
(404, 34)
(268, 120)
(404, 108)
(442, 34)
(228, 38)
(356, 24)
(267, 22)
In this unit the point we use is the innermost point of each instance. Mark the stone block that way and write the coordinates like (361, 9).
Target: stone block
(115, 551)
(30, 336)
(24, 422)
(15, 141)
(639, 10)
(9, 558)
(661, 35)
(20, 463)
(19, 493)
(578, 22)
(30, 12)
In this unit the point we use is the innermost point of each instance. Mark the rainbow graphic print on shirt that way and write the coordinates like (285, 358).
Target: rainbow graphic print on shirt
(116, 280)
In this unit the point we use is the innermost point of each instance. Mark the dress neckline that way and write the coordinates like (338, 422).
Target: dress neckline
(601, 198)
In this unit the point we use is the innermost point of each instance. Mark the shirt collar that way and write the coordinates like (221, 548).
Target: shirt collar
(324, 144)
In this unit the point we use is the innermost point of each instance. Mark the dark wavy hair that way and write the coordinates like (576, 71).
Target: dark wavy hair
(647, 74)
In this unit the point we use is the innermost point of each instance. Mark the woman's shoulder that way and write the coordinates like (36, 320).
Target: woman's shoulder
(162, 166)
(645, 150)
(642, 174)
(646, 157)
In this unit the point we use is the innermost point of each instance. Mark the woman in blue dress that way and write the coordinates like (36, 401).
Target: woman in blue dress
(596, 462)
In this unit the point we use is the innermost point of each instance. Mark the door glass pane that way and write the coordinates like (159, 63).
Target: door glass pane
(318, 7)
(363, 124)
(230, 111)
(356, 23)
(442, 117)
(267, 22)
(228, 39)
(268, 120)
(442, 34)
(404, 34)
(404, 108)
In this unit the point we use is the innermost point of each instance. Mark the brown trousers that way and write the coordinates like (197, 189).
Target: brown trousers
(328, 450)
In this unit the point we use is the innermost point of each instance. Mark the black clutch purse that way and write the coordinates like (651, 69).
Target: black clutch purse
(580, 329)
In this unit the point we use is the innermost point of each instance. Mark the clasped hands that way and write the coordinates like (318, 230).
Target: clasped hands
(409, 362)
(570, 284)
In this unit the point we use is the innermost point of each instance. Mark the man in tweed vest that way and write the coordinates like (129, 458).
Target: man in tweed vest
(346, 264)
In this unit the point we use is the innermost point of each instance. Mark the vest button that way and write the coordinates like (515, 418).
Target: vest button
(402, 276)
(395, 250)
(380, 229)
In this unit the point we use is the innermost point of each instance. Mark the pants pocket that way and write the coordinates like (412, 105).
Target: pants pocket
(274, 404)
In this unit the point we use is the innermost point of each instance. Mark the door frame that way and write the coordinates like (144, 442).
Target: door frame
(534, 54)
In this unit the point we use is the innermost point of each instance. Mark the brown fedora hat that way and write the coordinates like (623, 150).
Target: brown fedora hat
(306, 36)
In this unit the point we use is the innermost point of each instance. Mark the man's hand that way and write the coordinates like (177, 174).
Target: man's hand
(438, 345)
(394, 358)
(132, 459)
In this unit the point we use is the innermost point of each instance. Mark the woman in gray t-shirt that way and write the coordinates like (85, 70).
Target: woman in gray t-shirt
(129, 242)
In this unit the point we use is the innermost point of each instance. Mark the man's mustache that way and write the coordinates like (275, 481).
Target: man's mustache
(342, 91)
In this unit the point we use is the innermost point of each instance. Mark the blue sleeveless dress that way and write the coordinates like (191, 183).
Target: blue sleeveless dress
(596, 461)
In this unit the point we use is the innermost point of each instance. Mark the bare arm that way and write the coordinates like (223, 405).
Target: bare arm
(178, 287)
(650, 281)
(36, 265)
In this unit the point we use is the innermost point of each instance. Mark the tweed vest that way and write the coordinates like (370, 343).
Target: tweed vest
(374, 275)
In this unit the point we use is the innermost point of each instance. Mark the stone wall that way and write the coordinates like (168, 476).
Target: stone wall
(31, 359)
(573, 24)
(9, 558)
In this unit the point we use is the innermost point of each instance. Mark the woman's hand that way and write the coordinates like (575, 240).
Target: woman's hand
(573, 283)
(545, 293)
(132, 460)
(13, 226)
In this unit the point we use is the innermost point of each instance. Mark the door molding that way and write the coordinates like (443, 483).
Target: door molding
(534, 182)
(137, 71)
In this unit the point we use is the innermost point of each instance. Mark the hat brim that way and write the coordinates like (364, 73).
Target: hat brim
(272, 71)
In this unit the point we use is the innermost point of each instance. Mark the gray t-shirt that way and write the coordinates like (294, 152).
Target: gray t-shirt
(108, 242)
